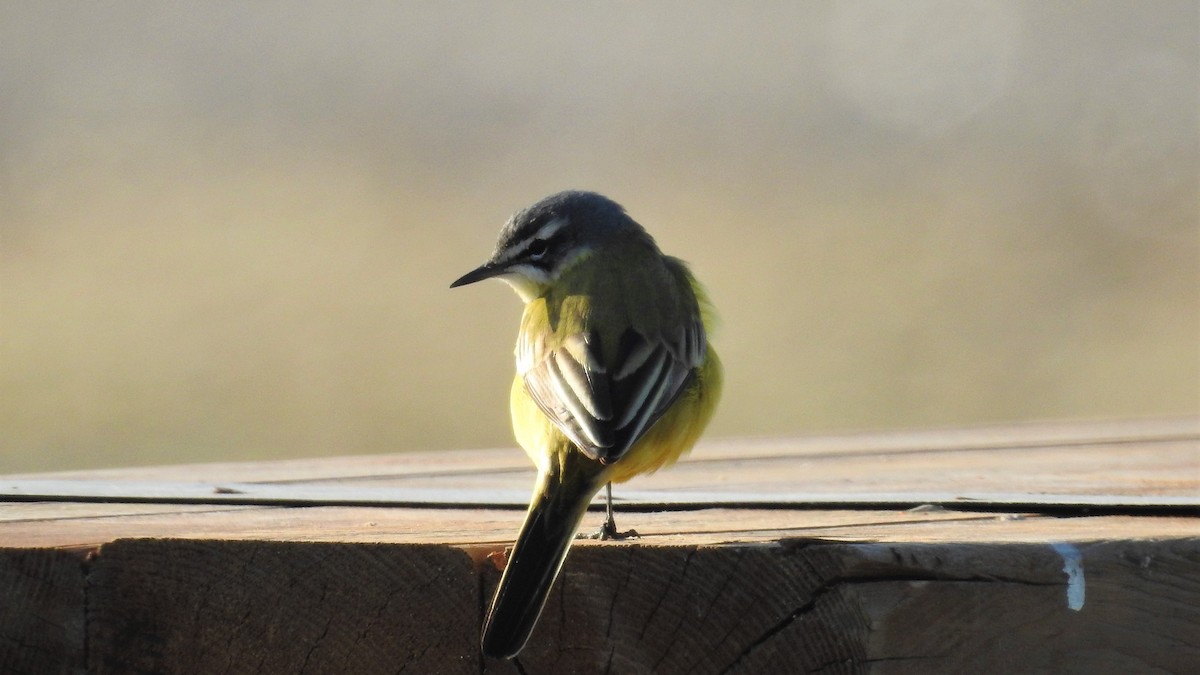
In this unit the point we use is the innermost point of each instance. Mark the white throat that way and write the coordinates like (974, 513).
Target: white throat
(528, 281)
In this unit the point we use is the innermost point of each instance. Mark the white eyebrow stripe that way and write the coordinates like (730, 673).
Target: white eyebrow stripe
(549, 229)
(544, 232)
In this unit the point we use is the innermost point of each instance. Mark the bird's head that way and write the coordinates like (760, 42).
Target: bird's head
(538, 244)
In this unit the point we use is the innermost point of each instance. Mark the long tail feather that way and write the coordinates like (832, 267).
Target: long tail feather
(559, 501)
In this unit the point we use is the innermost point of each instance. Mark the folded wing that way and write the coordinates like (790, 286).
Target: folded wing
(604, 405)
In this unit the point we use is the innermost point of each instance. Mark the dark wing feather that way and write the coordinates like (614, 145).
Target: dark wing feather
(603, 409)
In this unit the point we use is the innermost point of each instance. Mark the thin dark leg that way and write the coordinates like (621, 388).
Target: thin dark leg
(609, 529)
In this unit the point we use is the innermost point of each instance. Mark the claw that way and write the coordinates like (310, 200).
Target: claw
(608, 530)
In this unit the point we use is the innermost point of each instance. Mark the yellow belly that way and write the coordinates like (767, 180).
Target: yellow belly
(671, 436)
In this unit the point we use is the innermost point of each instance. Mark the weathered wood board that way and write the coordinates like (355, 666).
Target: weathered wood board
(844, 585)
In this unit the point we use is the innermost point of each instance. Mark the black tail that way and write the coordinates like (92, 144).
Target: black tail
(558, 505)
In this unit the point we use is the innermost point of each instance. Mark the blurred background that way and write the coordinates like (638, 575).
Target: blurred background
(227, 229)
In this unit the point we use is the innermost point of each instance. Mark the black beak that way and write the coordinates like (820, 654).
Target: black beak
(485, 271)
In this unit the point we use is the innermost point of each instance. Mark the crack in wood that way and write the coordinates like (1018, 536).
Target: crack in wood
(773, 631)
(833, 584)
(671, 583)
(612, 606)
(316, 643)
(86, 568)
(866, 661)
(670, 641)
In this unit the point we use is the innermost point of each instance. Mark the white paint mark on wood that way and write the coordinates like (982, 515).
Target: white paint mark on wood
(1073, 567)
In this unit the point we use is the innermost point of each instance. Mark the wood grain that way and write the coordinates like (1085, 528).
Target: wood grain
(1135, 457)
(42, 613)
(177, 606)
(488, 529)
(1140, 611)
(239, 581)
(805, 607)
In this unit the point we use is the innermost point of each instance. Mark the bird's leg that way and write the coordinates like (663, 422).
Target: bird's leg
(609, 529)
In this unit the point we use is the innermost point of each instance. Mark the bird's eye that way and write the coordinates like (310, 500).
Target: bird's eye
(537, 249)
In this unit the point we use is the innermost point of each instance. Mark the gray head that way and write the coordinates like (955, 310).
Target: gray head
(539, 242)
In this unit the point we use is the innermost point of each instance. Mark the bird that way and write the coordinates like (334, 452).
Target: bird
(615, 378)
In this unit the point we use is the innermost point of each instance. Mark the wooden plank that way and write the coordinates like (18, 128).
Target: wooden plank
(877, 608)
(460, 527)
(801, 605)
(498, 462)
(1170, 467)
(49, 513)
(1146, 468)
(341, 495)
(1136, 613)
(1071, 467)
(238, 582)
(42, 613)
(486, 529)
(157, 606)
(1025, 435)
(343, 467)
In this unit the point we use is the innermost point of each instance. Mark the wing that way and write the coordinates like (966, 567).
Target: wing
(605, 405)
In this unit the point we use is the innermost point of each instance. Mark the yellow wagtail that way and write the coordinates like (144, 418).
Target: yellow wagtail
(615, 378)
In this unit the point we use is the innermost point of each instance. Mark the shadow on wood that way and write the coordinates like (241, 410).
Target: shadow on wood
(167, 576)
(41, 616)
(171, 606)
(802, 606)
(807, 607)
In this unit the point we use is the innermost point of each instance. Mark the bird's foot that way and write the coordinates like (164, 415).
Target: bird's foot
(608, 532)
